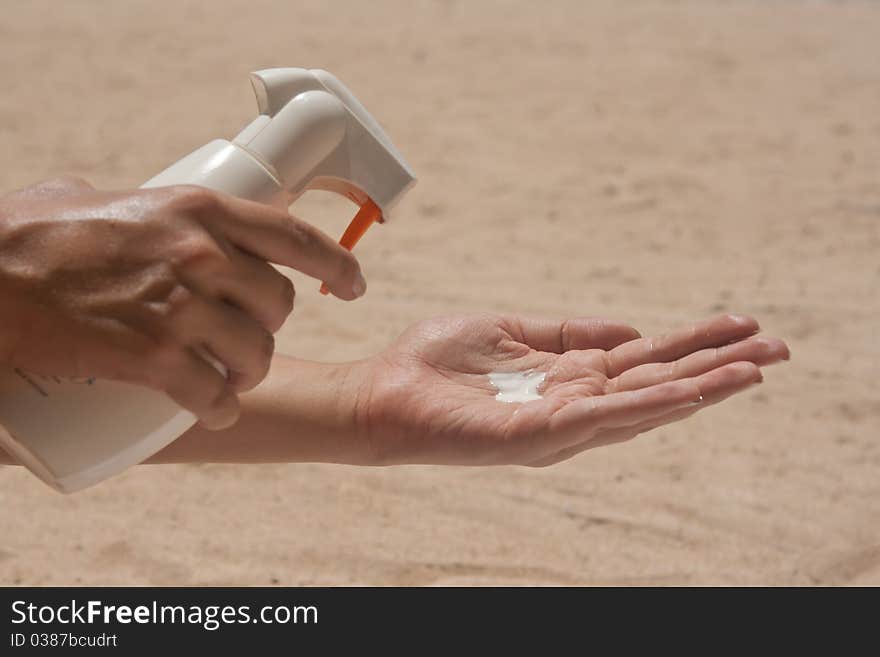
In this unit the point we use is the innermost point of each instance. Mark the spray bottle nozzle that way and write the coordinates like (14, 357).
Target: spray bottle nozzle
(312, 133)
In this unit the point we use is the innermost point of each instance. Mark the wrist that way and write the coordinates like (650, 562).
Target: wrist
(351, 417)
(332, 407)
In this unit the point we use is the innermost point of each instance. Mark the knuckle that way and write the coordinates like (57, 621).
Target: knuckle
(167, 314)
(255, 368)
(158, 283)
(216, 392)
(301, 235)
(193, 199)
(71, 181)
(346, 266)
(207, 388)
(288, 295)
(197, 252)
(284, 306)
(610, 386)
(178, 301)
(608, 364)
(565, 336)
(267, 349)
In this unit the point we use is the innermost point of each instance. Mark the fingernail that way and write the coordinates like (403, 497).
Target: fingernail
(359, 286)
(743, 320)
(695, 403)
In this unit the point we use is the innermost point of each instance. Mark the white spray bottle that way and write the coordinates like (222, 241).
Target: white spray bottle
(311, 133)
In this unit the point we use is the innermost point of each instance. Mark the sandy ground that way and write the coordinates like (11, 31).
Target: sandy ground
(654, 162)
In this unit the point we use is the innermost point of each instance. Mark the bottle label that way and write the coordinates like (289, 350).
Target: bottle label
(43, 384)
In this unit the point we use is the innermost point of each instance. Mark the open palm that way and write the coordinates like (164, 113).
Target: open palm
(429, 399)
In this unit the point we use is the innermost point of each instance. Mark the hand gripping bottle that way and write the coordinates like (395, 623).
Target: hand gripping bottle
(311, 133)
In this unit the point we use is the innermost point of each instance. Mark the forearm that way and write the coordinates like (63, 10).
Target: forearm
(302, 412)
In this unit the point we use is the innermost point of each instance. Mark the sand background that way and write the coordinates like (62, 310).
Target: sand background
(654, 162)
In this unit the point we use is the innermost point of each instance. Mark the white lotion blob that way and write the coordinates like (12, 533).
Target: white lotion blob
(517, 386)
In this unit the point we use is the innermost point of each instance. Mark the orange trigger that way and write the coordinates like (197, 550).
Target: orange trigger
(365, 217)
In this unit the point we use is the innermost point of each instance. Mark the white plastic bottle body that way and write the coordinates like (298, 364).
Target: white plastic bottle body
(75, 433)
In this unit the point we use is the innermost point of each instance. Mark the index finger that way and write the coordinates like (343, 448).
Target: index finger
(559, 336)
(277, 236)
(713, 332)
